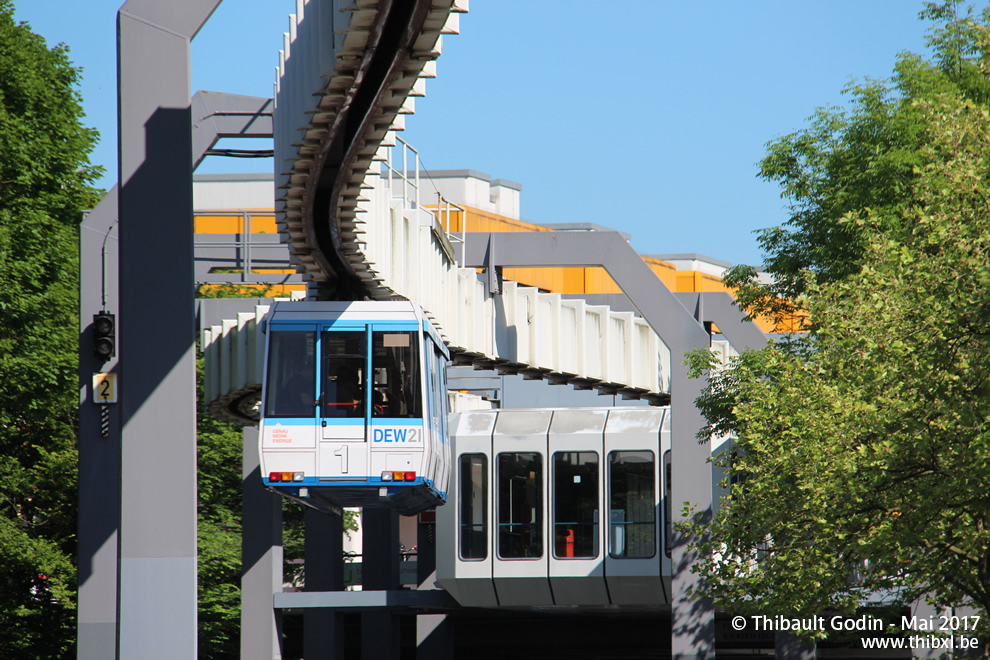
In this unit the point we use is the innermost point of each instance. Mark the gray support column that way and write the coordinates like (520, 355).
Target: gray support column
(380, 572)
(323, 629)
(157, 596)
(693, 619)
(434, 637)
(789, 647)
(99, 457)
(261, 560)
(426, 553)
(434, 633)
(718, 307)
(922, 610)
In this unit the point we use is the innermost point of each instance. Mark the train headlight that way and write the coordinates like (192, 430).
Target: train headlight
(386, 476)
(298, 476)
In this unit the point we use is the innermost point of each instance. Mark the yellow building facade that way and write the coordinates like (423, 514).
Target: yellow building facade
(226, 206)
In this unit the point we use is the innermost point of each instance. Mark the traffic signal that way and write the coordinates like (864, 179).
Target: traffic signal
(104, 335)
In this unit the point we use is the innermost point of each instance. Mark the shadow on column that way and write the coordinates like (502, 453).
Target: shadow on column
(380, 572)
(261, 560)
(323, 630)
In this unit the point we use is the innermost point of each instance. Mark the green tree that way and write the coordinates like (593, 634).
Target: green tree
(45, 183)
(219, 450)
(864, 447)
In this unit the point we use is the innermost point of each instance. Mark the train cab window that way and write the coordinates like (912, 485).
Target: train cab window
(632, 504)
(291, 387)
(575, 505)
(395, 387)
(344, 358)
(473, 480)
(520, 505)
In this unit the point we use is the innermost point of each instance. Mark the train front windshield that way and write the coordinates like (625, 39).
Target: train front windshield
(291, 387)
(343, 363)
(394, 384)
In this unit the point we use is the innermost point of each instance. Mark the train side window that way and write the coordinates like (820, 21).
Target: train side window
(344, 354)
(668, 509)
(575, 508)
(632, 504)
(395, 387)
(520, 505)
(444, 404)
(433, 383)
(473, 506)
(291, 387)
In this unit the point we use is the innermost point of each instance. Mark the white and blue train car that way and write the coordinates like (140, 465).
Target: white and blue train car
(354, 406)
(562, 507)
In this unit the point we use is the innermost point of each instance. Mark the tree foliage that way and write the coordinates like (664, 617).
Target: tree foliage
(219, 451)
(45, 183)
(863, 448)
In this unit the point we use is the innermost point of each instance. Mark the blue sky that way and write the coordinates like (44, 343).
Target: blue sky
(647, 116)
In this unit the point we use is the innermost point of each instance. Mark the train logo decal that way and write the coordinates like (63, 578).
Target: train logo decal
(402, 434)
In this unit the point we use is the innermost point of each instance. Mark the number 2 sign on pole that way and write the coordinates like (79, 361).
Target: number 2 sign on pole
(105, 387)
(104, 392)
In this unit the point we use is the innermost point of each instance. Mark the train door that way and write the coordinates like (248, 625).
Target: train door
(520, 567)
(632, 496)
(576, 539)
(395, 408)
(343, 390)
(465, 526)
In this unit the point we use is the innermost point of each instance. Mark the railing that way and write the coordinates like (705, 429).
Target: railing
(443, 210)
(410, 179)
(403, 175)
(235, 252)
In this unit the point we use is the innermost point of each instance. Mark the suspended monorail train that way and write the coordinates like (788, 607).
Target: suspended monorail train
(558, 507)
(354, 406)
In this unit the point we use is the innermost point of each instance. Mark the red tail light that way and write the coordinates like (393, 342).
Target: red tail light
(410, 476)
(275, 476)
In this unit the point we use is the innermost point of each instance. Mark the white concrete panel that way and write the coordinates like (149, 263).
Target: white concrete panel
(228, 338)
